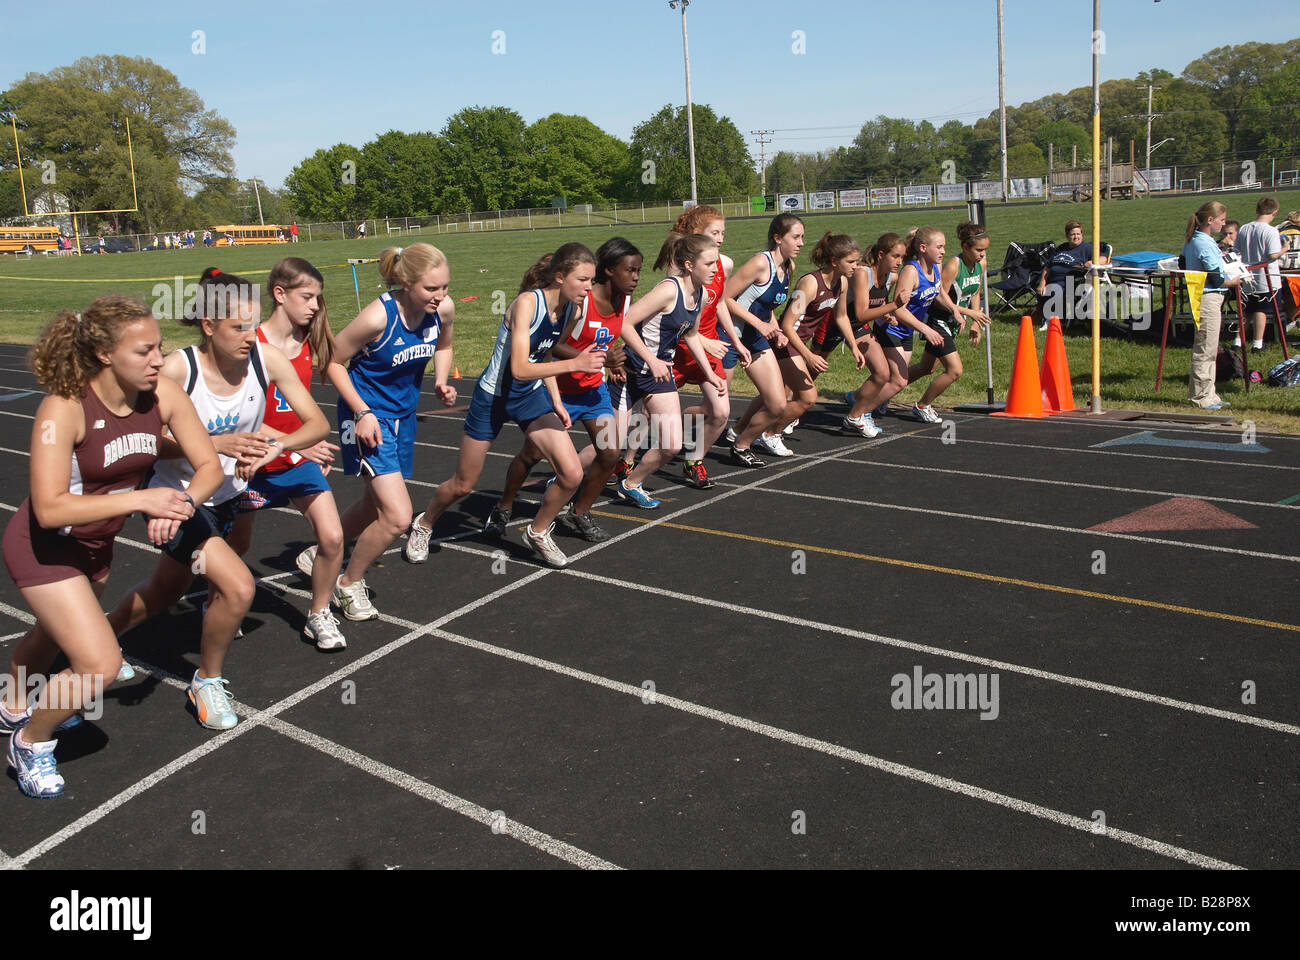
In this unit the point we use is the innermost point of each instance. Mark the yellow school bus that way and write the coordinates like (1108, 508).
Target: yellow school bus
(15, 239)
(257, 233)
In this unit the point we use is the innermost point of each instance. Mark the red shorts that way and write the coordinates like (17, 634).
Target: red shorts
(686, 370)
(48, 557)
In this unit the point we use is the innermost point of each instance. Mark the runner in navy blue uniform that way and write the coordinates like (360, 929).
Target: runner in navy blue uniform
(753, 292)
(386, 349)
(665, 316)
(519, 385)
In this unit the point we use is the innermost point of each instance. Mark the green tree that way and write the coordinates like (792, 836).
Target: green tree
(660, 157)
(893, 148)
(398, 174)
(1063, 135)
(1234, 75)
(323, 186)
(570, 156)
(1025, 160)
(482, 161)
(76, 116)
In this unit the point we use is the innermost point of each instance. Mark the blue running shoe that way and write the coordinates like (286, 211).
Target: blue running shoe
(35, 769)
(635, 496)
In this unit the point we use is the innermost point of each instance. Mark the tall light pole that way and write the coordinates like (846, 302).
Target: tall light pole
(1097, 42)
(1002, 102)
(690, 115)
(259, 201)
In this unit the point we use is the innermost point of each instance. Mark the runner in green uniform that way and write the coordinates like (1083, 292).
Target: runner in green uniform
(961, 278)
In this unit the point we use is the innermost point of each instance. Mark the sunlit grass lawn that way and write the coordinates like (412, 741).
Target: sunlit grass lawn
(484, 263)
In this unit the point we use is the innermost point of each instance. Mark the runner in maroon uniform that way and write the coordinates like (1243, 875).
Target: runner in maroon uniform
(299, 328)
(94, 438)
(713, 410)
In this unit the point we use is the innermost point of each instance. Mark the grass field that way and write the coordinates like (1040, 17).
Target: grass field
(484, 263)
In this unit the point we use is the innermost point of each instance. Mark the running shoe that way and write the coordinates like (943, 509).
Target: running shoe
(746, 458)
(882, 410)
(635, 496)
(696, 475)
(620, 471)
(354, 601)
(306, 560)
(585, 526)
(34, 768)
(790, 427)
(212, 703)
(926, 413)
(863, 425)
(544, 546)
(10, 722)
(416, 549)
(323, 627)
(125, 671)
(729, 437)
(773, 445)
(496, 523)
(239, 632)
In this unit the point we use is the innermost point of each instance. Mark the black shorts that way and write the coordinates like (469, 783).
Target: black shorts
(948, 346)
(1258, 302)
(207, 522)
(887, 339)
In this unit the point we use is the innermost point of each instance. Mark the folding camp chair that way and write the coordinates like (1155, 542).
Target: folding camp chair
(1021, 270)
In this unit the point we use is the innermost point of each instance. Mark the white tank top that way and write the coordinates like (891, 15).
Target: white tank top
(241, 412)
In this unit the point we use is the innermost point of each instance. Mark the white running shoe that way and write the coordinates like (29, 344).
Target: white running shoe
(212, 705)
(790, 427)
(354, 601)
(730, 436)
(416, 549)
(306, 560)
(863, 425)
(926, 413)
(324, 629)
(544, 546)
(773, 445)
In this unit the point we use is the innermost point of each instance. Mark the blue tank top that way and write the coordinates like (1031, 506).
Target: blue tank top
(762, 299)
(662, 331)
(389, 372)
(927, 288)
(543, 333)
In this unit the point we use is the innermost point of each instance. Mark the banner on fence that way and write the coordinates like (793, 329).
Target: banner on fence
(988, 189)
(686, 205)
(921, 193)
(790, 201)
(850, 199)
(1161, 179)
(757, 204)
(821, 200)
(952, 193)
(884, 196)
(1025, 187)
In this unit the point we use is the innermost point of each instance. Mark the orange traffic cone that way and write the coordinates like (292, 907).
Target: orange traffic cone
(1058, 395)
(455, 373)
(1025, 398)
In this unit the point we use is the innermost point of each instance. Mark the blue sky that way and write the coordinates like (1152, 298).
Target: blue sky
(293, 77)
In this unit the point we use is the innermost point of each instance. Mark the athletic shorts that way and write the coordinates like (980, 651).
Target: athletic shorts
(282, 487)
(948, 346)
(394, 455)
(887, 339)
(489, 413)
(1258, 303)
(686, 370)
(207, 522)
(49, 557)
(593, 404)
(625, 396)
(754, 342)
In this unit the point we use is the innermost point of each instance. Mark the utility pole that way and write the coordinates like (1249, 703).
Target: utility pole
(690, 113)
(1149, 117)
(1002, 102)
(763, 136)
(259, 202)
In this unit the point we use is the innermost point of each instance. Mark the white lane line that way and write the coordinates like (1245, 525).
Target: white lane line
(1055, 528)
(466, 808)
(1115, 453)
(928, 650)
(13, 636)
(1072, 483)
(21, 416)
(854, 756)
(18, 614)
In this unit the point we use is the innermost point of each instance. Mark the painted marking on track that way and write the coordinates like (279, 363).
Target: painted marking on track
(1180, 513)
(853, 756)
(1150, 439)
(977, 575)
(1115, 453)
(5, 398)
(1290, 499)
(1055, 528)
